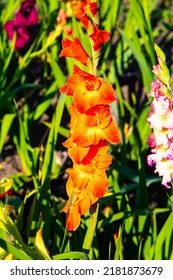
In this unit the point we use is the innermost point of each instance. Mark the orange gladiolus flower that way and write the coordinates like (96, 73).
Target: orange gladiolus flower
(80, 9)
(93, 126)
(85, 21)
(99, 37)
(75, 50)
(88, 90)
(95, 162)
(93, 8)
(75, 152)
(95, 185)
(78, 204)
(83, 155)
(84, 175)
(87, 183)
(80, 200)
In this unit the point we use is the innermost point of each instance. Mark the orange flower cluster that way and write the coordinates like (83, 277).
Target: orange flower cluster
(91, 129)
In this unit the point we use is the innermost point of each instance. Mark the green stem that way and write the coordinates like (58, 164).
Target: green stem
(91, 230)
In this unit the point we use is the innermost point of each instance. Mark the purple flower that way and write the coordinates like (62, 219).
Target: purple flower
(24, 20)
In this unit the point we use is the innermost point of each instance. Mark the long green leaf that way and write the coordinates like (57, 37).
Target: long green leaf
(139, 56)
(71, 256)
(5, 126)
(11, 249)
(163, 247)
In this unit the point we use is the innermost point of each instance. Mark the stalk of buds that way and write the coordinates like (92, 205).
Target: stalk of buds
(161, 121)
(91, 126)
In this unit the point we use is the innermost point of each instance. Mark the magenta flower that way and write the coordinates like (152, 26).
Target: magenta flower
(23, 23)
(28, 12)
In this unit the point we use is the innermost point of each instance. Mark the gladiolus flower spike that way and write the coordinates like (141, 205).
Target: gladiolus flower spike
(91, 128)
(160, 119)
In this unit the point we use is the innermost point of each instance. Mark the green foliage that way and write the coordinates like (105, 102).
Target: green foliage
(34, 121)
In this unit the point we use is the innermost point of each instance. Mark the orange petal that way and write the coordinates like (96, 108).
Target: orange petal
(104, 95)
(80, 7)
(99, 37)
(70, 188)
(66, 90)
(73, 220)
(76, 206)
(93, 8)
(84, 19)
(76, 152)
(107, 94)
(75, 50)
(87, 136)
(102, 162)
(66, 207)
(88, 90)
(86, 101)
(84, 205)
(95, 125)
(112, 133)
(75, 211)
(98, 185)
(74, 83)
(80, 175)
(92, 153)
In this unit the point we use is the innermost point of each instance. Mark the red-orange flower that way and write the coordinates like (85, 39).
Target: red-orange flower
(99, 37)
(87, 169)
(93, 126)
(80, 200)
(83, 155)
(93, 8)
(85, 21)
(87, 175)
(75, 50)
(78, 204)
(75, 152)
(88, 90)
(87, 183)
(80, 9)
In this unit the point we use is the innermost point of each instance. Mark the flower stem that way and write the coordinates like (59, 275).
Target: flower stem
(91, 229)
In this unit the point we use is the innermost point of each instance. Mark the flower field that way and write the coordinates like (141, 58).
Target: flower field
(86, 130)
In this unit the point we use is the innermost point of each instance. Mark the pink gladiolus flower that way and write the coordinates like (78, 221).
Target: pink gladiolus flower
(160, 119)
